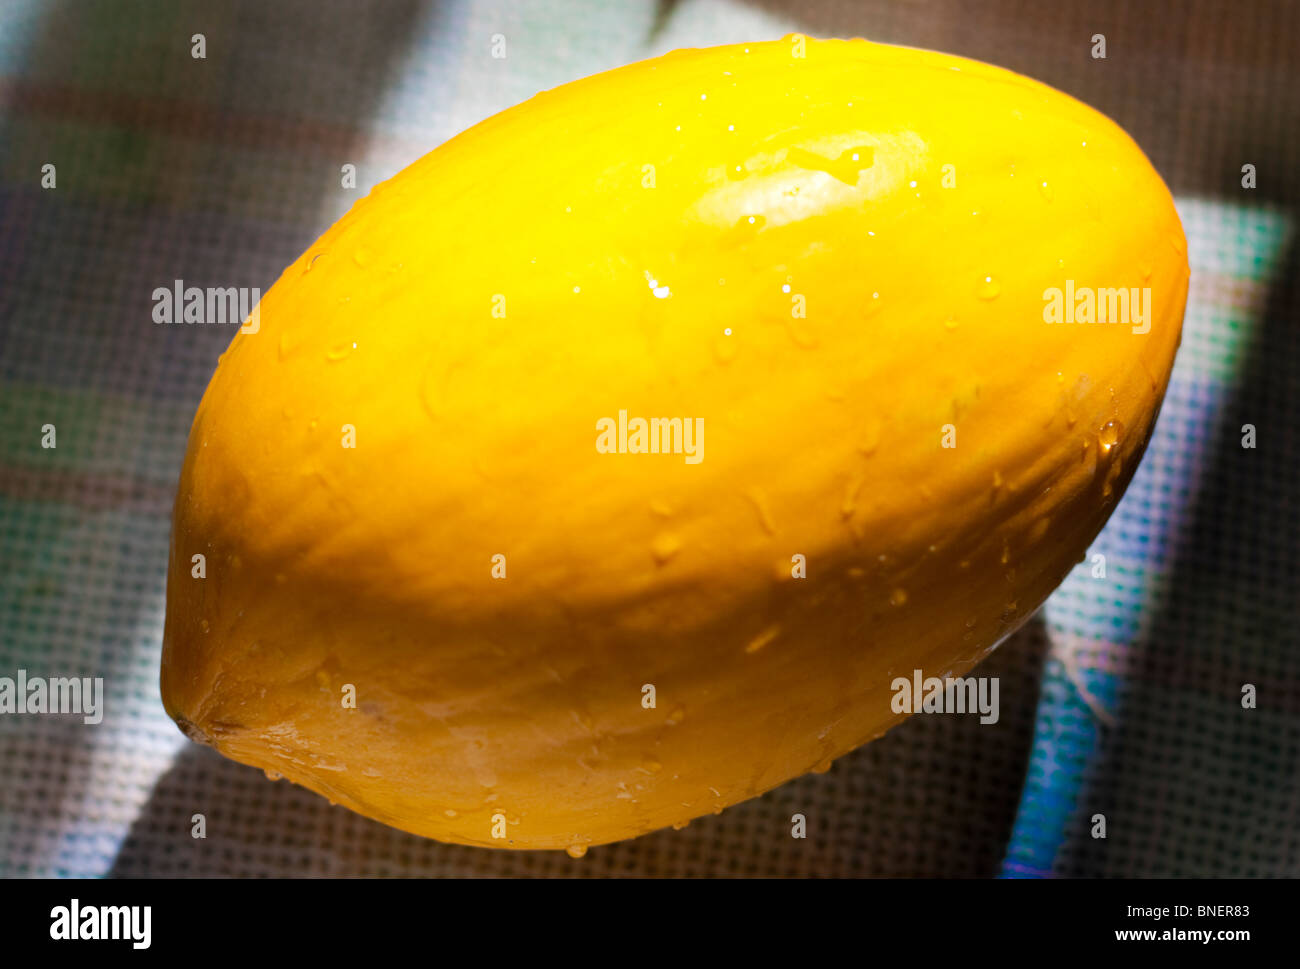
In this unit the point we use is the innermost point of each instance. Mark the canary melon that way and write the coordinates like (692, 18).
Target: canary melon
(608, 465)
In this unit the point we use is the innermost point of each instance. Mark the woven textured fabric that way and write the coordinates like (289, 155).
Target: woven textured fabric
(1122, 697)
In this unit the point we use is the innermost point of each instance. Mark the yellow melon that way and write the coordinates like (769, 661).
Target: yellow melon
(606, 466)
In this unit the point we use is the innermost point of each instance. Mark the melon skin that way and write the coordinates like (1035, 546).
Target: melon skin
(839, 263)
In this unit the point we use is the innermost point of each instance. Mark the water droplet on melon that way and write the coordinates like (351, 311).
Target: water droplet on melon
(665, 547)
(1109, 435)
(988, 288)
(762, 639)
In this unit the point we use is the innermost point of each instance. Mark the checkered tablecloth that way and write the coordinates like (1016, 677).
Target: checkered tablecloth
(1121, 698)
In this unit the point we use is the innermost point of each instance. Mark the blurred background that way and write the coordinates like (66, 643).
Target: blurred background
(1122, 697)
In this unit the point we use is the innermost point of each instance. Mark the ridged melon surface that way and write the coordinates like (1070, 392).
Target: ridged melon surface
(837, 262)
